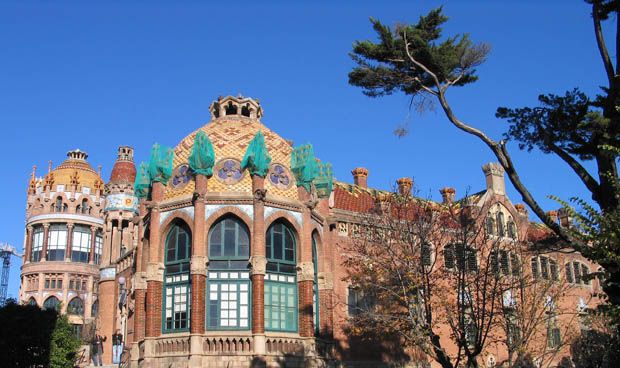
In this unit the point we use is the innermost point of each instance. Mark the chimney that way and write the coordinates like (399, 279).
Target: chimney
(447, 194)
(404, 186)
(494, 173)
(360, 177)
(566, 220)
(520, 207)
(553, 215)
(124, 169)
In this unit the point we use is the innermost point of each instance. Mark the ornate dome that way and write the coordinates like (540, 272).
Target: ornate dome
(235, 122)
(74, 171)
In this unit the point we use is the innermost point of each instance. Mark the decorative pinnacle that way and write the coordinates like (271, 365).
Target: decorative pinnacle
(34, 171)
(49, 166)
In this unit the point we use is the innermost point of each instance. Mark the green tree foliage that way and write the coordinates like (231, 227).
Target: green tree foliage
(595, 349)
(384, 68)
(25, 333)
(64, 344)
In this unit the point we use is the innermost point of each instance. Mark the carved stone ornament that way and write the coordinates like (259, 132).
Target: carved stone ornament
(260, 194)
(259, 265)
(305, 271)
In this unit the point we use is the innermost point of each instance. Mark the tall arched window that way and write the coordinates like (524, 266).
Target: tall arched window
(512, 228)
(490, 225)
(37, 244)
(94, 309)
(51, 303)
(280, 281)
(32, 301)
(229, 279)
(57, 242)
(501, 223)
(80, 247)
(176, 279)
(315, 285)
(76, 307)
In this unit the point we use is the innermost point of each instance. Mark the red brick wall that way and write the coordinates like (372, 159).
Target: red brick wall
(197, 318)
(153, 308)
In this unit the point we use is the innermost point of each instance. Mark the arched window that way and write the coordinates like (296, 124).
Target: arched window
(80, 247)
(504, 262)
(37, 244)
(57, 242)
(280, 281)
(94, 309)
(176, 279)
(228, 284)
(51, 303)
(501, 224)
(490, 225)
(58, 206)
(315, 285)
(460, 257)
(76, 307)
(545, 268)
(85, 208)
(32, 301)
(512, 229)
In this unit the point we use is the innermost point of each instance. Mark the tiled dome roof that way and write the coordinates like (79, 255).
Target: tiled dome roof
(75, 169)
(230, 134)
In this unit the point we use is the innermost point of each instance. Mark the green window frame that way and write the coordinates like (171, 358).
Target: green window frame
(177, 286)
(315, 287)
(37, 244)
(228, 305)
(229, 301)
(280, 303)
(281, 310)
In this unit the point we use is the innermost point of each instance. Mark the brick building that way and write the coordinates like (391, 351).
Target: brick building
(230, 259)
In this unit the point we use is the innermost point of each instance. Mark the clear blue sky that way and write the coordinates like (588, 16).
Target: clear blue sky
(98, 76)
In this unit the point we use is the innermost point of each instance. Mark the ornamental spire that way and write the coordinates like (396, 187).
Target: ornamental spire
(160, 164)
(304, 166)
(256, 158)
(202, 157)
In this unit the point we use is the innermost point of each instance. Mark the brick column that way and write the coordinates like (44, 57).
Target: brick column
(198, 260)
(28, 247)
(46, 233)
(259, 264)
(93, 241)
(69, 246)
(140, 283)
(305, 275)
(154, 280)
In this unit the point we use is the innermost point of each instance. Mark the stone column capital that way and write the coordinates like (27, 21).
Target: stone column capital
(93, 229)
(29, 228)
(46, 225)
(259, 265)
(305, 271)
(198, 265)
(155, 271)
(139, 281)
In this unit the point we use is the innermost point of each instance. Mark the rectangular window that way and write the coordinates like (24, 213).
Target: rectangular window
(544, 267)
(553, 267)
(177, 298)
(57, 243)
(535, 272)
(80, 246)
(577, 273)
(229, 300)
(98, 248)
(37, 244)
(280, 303)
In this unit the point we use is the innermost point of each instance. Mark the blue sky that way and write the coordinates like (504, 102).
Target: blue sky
(96, 76)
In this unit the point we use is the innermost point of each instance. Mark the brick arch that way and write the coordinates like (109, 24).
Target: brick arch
(80, 200)
(165, 227)
(320, 249)
(292, 222)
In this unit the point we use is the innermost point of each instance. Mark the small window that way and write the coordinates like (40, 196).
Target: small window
(490, 225)
(501, 224)
(426, 254)
(512, 229)
(460, 256)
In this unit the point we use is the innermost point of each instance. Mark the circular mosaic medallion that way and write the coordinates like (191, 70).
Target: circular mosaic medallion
(228, 171)
(280, 177)
(181, 175)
